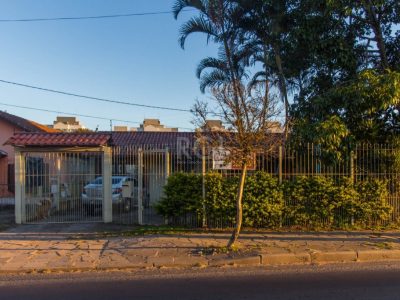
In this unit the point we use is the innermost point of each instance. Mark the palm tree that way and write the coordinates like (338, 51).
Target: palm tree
(217, 21)
(264, 22)
(215, 72)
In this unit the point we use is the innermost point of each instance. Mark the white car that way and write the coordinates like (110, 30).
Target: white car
(92, 195)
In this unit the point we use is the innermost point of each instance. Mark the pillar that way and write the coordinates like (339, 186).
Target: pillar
(19, 163)
(140, 186)
(107, 185)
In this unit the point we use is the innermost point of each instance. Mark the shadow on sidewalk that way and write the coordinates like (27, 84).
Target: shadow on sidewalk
(47, 232)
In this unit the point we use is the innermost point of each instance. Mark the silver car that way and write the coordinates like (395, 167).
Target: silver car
(92, 195)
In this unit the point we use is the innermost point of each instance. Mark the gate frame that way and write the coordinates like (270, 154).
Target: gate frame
(20, 172)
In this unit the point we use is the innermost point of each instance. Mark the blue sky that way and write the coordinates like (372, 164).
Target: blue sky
(136, 59)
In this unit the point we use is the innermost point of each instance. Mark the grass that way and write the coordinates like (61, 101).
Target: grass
(381, 245)
(142, 231)
(136, 230)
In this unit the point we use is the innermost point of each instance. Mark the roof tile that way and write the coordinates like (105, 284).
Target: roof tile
(24, 124)
(170, 139)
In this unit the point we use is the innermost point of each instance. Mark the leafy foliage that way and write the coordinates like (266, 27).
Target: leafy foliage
(182, 195)
(315, 201)
(263, 201)
(373, 204)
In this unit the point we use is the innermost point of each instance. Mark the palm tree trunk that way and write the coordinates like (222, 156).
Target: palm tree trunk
(239, 208)
(282, 87)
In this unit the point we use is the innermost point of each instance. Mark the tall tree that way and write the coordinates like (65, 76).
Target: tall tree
(264, 24)
(246, 112)
(354, 52)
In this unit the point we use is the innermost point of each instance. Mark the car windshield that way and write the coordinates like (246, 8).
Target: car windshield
(98, 181)
(116, 180)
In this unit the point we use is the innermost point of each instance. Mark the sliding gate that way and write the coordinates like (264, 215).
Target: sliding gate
(62, 186)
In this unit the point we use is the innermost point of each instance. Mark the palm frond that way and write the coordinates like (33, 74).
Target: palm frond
(210, 62)
(179, 5)
(212, 79)
(258, 78)
(197, 24)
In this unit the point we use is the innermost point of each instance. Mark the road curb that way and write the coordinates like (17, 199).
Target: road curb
(263, 260)
(285, 259)
(239, 261)
(333, 257)
(377, 255)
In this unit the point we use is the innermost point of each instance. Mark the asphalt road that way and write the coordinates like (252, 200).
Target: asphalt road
(332, 282)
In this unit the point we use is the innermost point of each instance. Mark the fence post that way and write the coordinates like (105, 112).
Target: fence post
(56, 194)
(280, 164)
(167, 165)
(352, 169)
(107, 185)
(140, 186)
(19, 162)
(203, 182)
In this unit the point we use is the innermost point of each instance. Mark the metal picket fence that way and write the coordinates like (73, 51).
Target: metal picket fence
(361, 163)
(67, 186)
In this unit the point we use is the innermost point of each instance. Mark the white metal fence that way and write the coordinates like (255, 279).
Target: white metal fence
(56, 187)
(68, 186)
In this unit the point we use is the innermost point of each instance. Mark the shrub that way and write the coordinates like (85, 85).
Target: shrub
(315, 201)
(346, 202)
(373, 205)
(182, 195)
(262, 201)
(220, 198)
(309, 200)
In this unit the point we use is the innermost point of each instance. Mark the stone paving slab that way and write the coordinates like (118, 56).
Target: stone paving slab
(189, 250)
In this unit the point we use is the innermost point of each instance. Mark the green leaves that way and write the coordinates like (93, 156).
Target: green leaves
(315, 201)
(363, 110)
(262, 201)
(182, 195)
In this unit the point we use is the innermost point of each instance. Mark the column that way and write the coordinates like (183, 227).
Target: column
(19, 163)
(107, 185)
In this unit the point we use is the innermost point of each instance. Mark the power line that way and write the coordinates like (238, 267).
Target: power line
(94, 98)
(91, 17)
(79, 115)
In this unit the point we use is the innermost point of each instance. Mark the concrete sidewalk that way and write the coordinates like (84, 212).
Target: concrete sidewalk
(74, 251)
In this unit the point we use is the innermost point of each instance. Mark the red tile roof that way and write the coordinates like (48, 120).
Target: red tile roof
(58, 140)
(170, 139)
(24, 124)
(44, 128)
(152, 138)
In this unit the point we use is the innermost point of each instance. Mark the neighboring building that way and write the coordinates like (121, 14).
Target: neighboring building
(120, 128)
(214, 125)
(9, 125)
(153, 125)
(217, 125)
(67, 124)
(275, 127)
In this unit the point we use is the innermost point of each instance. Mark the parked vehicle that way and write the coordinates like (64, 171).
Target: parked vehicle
(124, 193)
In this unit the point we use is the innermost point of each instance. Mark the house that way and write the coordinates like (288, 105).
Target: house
(9, 125)
(67, 124)
(59, 166)
(153, 125)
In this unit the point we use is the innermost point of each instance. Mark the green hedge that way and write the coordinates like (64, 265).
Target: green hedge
(315, 201)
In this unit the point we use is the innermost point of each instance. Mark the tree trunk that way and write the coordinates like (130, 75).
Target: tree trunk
(282, 87)
(239, 208)
(372, 19)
